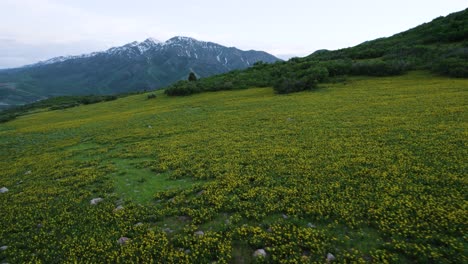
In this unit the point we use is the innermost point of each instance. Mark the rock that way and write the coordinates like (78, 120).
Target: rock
(188, 251)
(200, 192)
(2, 248)
(96, 201)
(330, 257)
(3, 190)
(184, 218)
(139, 224)
(285, 216)
(168, 230)
(123, 240)
(311, 225)
(260, 253)
(28, 172)
(199, 233)
(118, 208)
(150, 127)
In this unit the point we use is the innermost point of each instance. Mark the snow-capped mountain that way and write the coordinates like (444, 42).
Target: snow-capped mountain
(149, 64)
(184, 46)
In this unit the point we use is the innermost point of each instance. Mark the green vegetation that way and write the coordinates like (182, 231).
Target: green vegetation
(440, 46)
(151, 96)
(371, 170)
(192, 77)
(55, 103)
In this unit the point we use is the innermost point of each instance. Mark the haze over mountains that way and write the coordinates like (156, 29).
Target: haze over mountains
(133, 67)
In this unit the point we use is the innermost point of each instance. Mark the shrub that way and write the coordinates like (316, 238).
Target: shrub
(296, 81)
(379, 68)
(453, 67)
(5, 117)
(151, 96)
(192, 77)
(183, 88)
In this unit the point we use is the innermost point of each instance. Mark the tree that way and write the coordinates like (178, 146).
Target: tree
(192, 77)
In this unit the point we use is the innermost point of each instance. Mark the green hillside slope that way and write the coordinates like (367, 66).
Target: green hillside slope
(440, 46)
(371, 171)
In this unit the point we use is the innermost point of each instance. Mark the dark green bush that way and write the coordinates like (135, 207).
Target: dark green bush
(192, 77)
(378, 68)
(288, 85)
(183, 88)
(6, 117)
(453, 67)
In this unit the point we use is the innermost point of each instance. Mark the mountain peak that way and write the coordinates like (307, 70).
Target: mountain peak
(152, 41)
(182, 38)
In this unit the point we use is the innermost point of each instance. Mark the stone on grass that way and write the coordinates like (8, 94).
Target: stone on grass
(285, 216)
(260, 253)
(311, 225)
(95, 201)
(123, 240)
(28, 172)
(168, 230)
(118, 208)
(330, 257)
(139, 224)
(185, 218)
(2, 248)
(199, 233)
(3, 190)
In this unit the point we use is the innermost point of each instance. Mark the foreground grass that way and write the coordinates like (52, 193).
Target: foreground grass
(371, 171)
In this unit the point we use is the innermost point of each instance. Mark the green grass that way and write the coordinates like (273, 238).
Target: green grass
(378, 165)
(140, 185)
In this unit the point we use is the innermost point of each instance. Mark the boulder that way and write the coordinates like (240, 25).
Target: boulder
(118, 208)
(123, 240)
(260, 253)
(95, 201)
(168, 230)
(330, 257)
(199, 233)
(3, 190)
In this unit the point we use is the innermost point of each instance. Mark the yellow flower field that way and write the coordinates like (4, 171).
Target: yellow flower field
(372, 170)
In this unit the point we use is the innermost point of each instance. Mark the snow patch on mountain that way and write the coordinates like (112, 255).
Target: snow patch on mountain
(184, 47)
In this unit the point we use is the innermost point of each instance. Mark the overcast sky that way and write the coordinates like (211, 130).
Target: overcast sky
(33, 30)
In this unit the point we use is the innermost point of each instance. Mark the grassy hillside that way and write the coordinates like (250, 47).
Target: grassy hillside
(371, 170)
(440, 46)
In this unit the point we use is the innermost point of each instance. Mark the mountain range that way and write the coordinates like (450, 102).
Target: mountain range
(136, 66)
